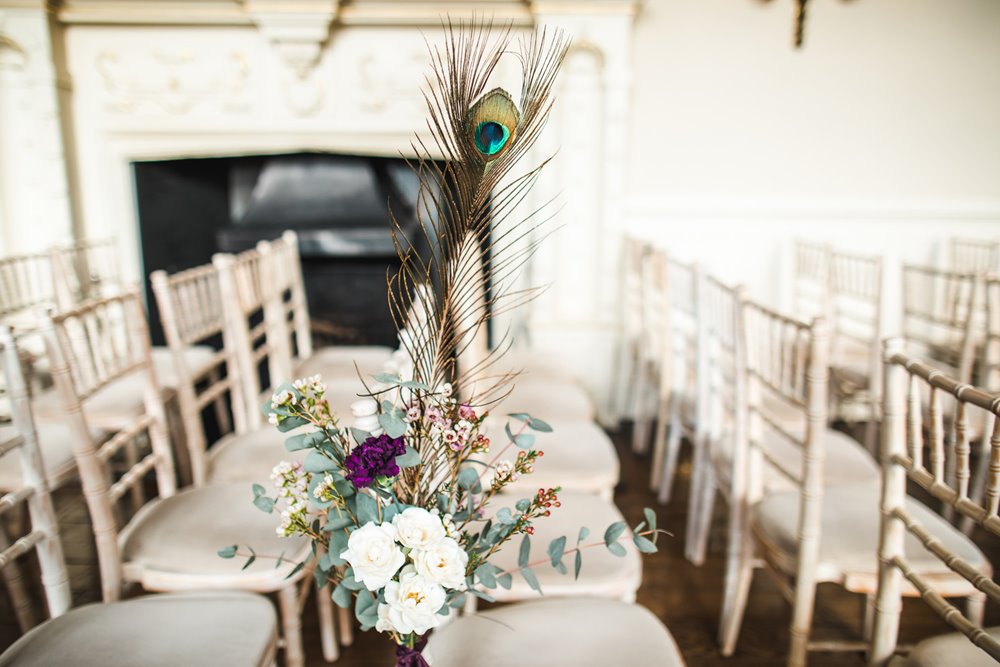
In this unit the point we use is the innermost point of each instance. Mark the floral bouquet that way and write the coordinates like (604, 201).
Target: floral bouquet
(400, 506)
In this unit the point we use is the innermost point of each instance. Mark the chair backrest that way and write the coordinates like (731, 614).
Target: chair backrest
(974, 255)
(941, 315)
(25, 284)
(908, 385)
(811, 280)
(192, 313)
(85, 270)
(285, 298)
(722, 354)
(634, 252)
(91, 347)
(44, 529)
(787, 372)
(244, 303)
(856, 292)
(989, 375)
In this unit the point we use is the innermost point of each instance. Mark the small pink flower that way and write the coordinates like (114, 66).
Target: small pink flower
(413, 414)
(433, 414)
(466, 412)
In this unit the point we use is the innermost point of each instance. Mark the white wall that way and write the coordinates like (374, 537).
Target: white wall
(881, 135)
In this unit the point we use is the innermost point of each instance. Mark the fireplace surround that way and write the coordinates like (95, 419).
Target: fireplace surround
(88, 88)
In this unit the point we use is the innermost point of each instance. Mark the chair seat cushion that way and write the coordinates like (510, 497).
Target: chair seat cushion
(56, 443)
(533, 365)
(197, 358)
(249, 457)
(193, 629)
(579, 456)
(849, 529)
(547, 633)
(172, 543)
(338, 362)
(547, 400)
(111, 408)
(951, 650)
(602, 575)
(847, 462)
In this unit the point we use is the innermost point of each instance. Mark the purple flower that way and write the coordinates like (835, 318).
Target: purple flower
(373, 458)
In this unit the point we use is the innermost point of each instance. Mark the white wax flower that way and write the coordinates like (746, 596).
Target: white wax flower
(373, 553)
(417, 528)
(443, 563)
(411, 604)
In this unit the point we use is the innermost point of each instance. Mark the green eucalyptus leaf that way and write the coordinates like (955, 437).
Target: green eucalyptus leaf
(556, 549)
(522, 505)
(644, 545)
(538, 425)
(388, 378)
(483, 596)
(321, 577)
(617, 549)
(367, 509)
(258, 490)
(264, 504)
(524, 555)
(295, 570)
(392, 423)
(342, 596)
(458, 601)
(505, 516)
(359, 435)
(529, 576)
(228, 552)
(413, 384)
(409, 458)
(651, 520)
(250, 561)
(505, 581)
(335, 522)
(577, 564)
(467, 478)
(291, 423)
(613, 532)
(317, 462)
(486, 575)
(584, 532)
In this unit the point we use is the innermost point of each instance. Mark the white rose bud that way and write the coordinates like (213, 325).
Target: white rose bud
(417, 528)
(443, 563)
(411, 604)
(373, 553)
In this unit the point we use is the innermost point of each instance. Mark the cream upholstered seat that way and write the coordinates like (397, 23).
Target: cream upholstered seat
(171, 543)
(950, 650)
(603, 574)
(547, 400)
(339, 362)
(848, 545)
(199, 359)
(56, 442)
(578, 456)
(249, 457)
(545, 633)
(216, 629)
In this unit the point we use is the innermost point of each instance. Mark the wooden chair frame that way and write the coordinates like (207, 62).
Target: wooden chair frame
(903, 460)
(25, 285)
(44, 533)
(85, 365)
(811, 280)
(191, 313)
(968, 255)
(856, 294)
(786, 358)
(82, 271)
(631, 330)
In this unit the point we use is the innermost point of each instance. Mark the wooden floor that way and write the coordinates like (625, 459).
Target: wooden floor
(686, 598)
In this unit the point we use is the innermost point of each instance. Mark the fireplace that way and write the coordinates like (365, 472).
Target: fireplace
(338, 204)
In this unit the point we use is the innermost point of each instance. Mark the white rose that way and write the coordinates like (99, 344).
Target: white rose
(417, 528)
(373, 553)
(411, 604)
(443, 563)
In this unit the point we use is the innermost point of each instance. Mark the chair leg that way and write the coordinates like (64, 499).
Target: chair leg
(672, 453)
(738, 577)
(868, 617)
(700, 509)
(219, 405)
(291, 625)
(659, 443)
(16, 589)
(327, 627)
(975, 606)
(345, 626)
(640, 402)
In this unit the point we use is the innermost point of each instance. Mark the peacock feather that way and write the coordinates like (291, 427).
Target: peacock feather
(468, 207)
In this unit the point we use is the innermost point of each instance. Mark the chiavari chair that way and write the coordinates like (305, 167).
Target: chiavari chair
(631, 329)
(26, 286)
(817, 530)
(85, 270)
(910, 547)
(192, 629)
(169, 543)
(811, 280)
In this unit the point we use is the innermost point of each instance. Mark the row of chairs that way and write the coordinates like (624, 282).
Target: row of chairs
(802, 498)
(228, 325)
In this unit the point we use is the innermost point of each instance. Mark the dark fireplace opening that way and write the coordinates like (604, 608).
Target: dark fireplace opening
(338, 204)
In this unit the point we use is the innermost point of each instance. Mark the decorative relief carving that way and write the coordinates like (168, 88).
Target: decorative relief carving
(175, 81)
(390, 79)
(12, 55)
(304, 95)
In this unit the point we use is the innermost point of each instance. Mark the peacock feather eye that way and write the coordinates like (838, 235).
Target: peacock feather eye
(493, 123)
